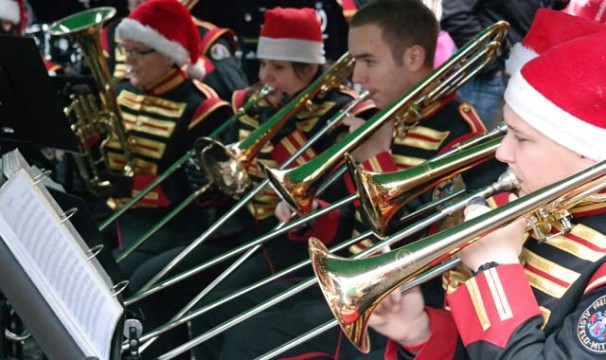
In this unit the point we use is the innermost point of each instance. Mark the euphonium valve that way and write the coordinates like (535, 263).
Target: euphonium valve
(82, 111)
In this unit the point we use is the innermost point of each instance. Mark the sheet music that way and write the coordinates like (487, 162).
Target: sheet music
(58, 265)
(13, 161)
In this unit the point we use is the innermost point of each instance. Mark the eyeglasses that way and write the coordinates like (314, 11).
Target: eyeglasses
(137, 54)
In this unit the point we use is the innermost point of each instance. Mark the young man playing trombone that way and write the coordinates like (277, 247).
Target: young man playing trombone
(529, 298)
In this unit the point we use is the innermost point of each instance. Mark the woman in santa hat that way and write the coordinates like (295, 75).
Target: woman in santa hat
(291, 55)
(164, 112)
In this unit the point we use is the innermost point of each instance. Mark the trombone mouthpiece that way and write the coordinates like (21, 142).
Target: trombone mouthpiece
(508, 181)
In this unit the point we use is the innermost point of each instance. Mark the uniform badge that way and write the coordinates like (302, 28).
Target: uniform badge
(591, 329)
(219, 52)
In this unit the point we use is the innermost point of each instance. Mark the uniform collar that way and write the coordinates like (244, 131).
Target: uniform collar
(170, 81)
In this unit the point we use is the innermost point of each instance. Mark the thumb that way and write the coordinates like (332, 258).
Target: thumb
(474, 210)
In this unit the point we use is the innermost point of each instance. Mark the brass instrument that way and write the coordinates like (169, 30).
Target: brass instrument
(189, 156)
(85, 29)
(227, 165)
(331, 124)
(353, 288)
(382, 195)
(452, 162)
(506, 182)
(252, 100)
(298, 186)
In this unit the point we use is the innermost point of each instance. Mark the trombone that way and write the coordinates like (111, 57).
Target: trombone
(353, 289)
(227, 166)
(448, 165)
(442, 80)
(443, 70)
(298, 186)
(253, 144)
(453, 164)
(382, 195)
(506, 182)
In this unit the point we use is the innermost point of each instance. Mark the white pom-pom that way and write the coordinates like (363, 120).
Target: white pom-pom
(518, 56)
(196, 71)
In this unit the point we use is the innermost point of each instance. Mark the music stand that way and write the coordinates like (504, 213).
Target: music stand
(30, 110)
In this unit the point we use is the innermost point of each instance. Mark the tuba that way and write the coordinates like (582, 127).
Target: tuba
(91, 120)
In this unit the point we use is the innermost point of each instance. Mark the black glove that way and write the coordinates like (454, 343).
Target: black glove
(195, 175)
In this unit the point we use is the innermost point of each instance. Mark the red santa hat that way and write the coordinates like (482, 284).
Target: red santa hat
(291, 35)
(167, 27)
(10, 11)
(548, 28)
(562, 94)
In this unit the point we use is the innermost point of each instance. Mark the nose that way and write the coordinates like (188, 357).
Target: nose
(129, 58)
(504, 151)
(359, 75)
(266, 75)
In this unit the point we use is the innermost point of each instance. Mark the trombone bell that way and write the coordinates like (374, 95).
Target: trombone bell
(343, 297)
(382, 195)
(296, 194)
(223, 166)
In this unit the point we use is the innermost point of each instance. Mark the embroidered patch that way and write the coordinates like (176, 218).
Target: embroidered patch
(591, 329)
(219, 52)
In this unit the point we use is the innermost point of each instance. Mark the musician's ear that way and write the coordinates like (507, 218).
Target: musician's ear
(413, 58)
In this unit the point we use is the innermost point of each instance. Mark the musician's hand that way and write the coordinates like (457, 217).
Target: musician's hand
(352, 122)
(502, 246)
(276, 98)
(283, 211)
(402, 317)
(195, 175)
(379, 142)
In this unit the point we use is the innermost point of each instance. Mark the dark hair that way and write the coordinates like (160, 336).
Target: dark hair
(299, 68)
(404, 23)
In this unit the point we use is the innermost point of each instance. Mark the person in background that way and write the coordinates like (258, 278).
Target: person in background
(12, 21)
(464, 19)
(10, 17)
(589, 9)
(522, 296)
(220, 69)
